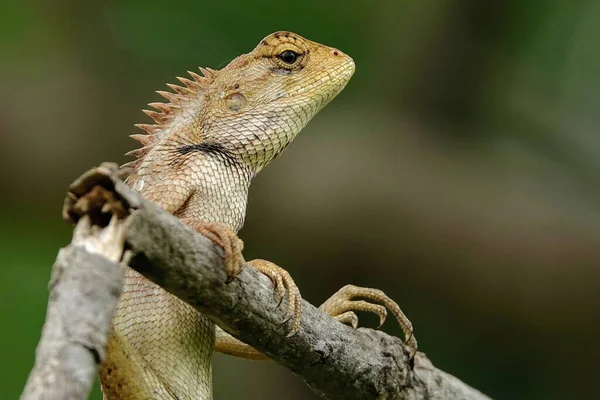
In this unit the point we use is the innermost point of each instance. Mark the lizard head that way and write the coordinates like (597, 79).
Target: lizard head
(261, 100)
(252, 108)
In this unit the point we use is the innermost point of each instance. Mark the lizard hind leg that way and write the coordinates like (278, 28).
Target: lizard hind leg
(343, 304)
(227, 344)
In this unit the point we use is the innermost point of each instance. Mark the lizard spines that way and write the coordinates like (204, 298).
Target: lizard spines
(158, 117)
(138, 152)
(191, 85)
(179, 89)
(145, 140)
(162, 107)
(149, 128)
(208, 73)
(172, 97)
(197, 77)
(166, 112)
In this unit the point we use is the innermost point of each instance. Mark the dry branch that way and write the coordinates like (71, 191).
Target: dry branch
(335, 360)
(85, 287)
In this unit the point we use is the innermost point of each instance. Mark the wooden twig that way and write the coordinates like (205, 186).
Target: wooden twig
(336, 361)
(85, 287)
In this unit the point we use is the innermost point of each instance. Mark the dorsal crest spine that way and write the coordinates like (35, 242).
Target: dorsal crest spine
(166, 112)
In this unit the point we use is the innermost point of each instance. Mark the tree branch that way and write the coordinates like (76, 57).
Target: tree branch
(85, 287)
(335, 360)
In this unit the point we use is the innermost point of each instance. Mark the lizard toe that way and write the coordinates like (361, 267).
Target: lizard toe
(347, 318)
(347, 300)
(285, 287)
(227, 239)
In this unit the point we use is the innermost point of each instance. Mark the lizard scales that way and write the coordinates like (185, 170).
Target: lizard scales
(212, 137)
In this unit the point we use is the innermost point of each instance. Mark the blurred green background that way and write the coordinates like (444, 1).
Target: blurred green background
(459, 171)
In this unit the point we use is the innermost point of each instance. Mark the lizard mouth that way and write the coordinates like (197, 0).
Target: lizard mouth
(342, 74)
(331, 81)
(351, 68)
(343, 71)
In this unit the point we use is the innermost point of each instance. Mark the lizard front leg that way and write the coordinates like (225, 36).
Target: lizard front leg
(285, 287)
(343, 304)
(226, 238)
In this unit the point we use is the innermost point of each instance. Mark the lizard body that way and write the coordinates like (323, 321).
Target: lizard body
(215, 134)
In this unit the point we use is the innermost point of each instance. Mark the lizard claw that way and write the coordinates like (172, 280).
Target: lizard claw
(342, 305)
(223, 236)
(347, 318)
(284, 288)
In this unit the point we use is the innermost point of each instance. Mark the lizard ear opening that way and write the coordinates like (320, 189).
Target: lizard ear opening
(235, 101)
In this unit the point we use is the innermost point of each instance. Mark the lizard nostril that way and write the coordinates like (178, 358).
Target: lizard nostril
(335, 53)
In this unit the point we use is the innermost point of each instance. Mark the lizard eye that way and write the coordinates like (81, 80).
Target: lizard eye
(288, 56)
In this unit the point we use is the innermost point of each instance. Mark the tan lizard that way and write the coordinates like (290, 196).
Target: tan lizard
(212, 137)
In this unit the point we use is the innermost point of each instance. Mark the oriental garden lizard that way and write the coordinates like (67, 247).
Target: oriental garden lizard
(215, 133)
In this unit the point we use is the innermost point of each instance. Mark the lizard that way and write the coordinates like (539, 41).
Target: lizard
(197, 159)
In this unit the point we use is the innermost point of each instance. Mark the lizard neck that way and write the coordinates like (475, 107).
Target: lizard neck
(256, 148)
(221, 191)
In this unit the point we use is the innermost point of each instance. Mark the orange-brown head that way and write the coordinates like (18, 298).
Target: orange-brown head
(252, 108)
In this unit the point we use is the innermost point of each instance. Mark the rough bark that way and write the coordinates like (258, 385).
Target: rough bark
(336, 361)
(85, 287)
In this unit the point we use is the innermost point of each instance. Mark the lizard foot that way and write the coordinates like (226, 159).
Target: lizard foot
(223, 236)
(285, 287)
(343, 304)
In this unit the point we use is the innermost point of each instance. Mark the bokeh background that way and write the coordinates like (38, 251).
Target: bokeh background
(459, 171)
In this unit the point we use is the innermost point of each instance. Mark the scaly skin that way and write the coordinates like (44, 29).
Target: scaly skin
(213, 137)
(209, 141)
